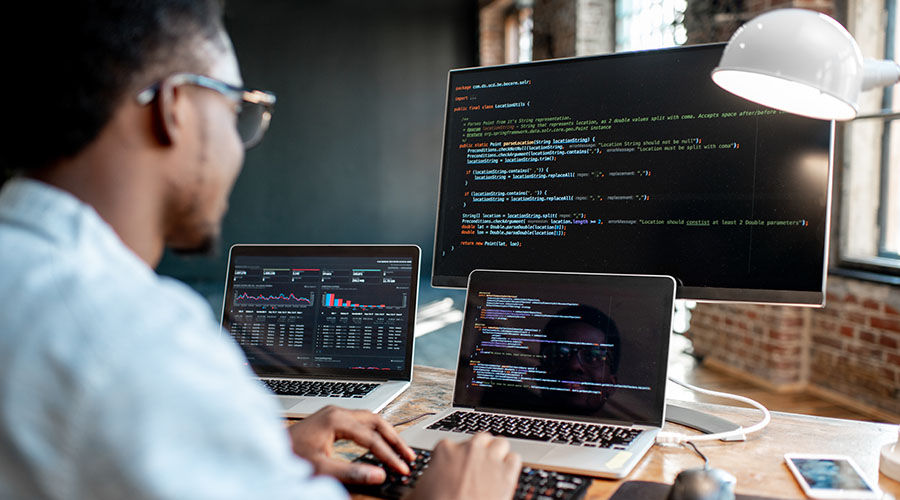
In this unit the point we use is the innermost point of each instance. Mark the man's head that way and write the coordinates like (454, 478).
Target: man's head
(77, 62)
(106, 80)
(583, 347)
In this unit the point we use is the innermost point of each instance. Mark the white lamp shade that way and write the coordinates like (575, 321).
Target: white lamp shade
(795, 60)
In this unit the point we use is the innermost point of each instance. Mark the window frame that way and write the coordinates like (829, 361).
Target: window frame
(883, 266)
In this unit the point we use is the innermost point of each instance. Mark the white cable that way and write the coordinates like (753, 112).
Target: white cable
(677, 437)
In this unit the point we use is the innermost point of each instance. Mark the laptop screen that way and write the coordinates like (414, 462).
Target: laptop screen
(593, 346)
(340, 311)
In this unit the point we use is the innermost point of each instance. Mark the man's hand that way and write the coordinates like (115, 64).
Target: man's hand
(314, 436)
(481, 468)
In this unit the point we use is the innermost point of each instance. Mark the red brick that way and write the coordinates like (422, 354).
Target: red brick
(893, 359)
(847, 331)
(871, 304)
(885, 324)
(781, 335)
(823, 340)
(891, 311)
(855, 317)
(865, 352)
(888, 341)
(851, 299)
(867, 337)
(792, 322)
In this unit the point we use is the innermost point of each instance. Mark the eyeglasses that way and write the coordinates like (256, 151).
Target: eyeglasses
(591, 356)
(254, 107)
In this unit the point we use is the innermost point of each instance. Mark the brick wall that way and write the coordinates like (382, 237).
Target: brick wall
(855, 343)
(765, 342)
(848, 351)
(491, 32)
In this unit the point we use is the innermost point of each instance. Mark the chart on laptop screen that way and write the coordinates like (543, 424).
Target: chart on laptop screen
(339, 312)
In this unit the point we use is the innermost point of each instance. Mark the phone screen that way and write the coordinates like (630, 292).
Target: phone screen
(829, 473)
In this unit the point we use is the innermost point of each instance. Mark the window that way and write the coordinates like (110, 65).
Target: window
(869, 224)
(649, 24)
(517, 29)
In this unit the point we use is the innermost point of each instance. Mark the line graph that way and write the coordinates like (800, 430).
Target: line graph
(280, 298)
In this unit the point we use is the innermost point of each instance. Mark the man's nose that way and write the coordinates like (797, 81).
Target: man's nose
(575, 363)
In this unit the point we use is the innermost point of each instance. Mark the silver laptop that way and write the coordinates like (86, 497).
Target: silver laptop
(325, 324)
(570, 367)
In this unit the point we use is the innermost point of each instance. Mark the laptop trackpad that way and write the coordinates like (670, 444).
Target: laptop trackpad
(288, 402)
(587, 457)
(530, 451)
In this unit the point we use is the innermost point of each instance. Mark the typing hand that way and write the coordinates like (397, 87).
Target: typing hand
(481, 468)
(313, 439)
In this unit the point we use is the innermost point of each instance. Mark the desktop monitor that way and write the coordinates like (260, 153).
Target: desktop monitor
(633, 163)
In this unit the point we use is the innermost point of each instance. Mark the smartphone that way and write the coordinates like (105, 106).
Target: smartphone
(829, 476)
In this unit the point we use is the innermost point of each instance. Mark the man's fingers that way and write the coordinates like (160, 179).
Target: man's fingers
(390, 435)
(362, 428)
(514, 462)
(350, 473)
(386, 454)
(498, 448)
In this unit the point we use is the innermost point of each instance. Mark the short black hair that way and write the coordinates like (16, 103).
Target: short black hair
(593, 317)
(69, 64)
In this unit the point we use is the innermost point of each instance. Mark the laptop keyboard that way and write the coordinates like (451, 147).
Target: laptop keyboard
(533, 483)
(321, 389)
(538, 429)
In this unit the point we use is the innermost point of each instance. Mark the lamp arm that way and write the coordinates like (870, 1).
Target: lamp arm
(877, 74)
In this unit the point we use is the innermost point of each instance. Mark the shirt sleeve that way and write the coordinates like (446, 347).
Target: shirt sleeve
(170, 410)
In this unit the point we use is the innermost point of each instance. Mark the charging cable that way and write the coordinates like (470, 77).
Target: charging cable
(664, 437)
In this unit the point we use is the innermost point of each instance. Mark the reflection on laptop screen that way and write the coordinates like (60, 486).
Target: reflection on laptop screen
(322, 314)
(587, 345)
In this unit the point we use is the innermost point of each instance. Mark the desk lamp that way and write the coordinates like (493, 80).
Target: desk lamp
(801, 62)
(805, 63)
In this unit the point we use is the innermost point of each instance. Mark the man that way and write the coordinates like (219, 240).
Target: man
(115, 382)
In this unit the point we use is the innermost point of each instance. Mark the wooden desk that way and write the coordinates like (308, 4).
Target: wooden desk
(757, 463)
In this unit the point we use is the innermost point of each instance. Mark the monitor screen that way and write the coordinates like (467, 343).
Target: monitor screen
(633, 163)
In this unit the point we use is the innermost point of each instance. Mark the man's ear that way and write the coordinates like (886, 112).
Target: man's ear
(166, 117)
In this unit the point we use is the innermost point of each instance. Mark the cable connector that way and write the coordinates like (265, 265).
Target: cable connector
(666, 437)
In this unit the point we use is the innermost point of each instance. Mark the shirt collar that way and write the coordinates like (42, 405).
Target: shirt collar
(58, 216)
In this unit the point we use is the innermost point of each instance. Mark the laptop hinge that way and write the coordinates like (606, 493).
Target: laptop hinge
(522, 413)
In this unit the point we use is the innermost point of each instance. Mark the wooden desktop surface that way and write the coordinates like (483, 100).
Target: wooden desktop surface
(757, 463)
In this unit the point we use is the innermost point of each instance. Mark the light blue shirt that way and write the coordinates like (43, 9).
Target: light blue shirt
(118, 383)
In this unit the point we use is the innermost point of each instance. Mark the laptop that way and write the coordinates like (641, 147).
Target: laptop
(570, 367)
(325, 324)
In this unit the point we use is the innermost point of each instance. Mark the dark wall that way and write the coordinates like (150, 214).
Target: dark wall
(353, 153)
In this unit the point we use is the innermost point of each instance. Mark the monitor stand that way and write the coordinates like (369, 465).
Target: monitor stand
(703, 422)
